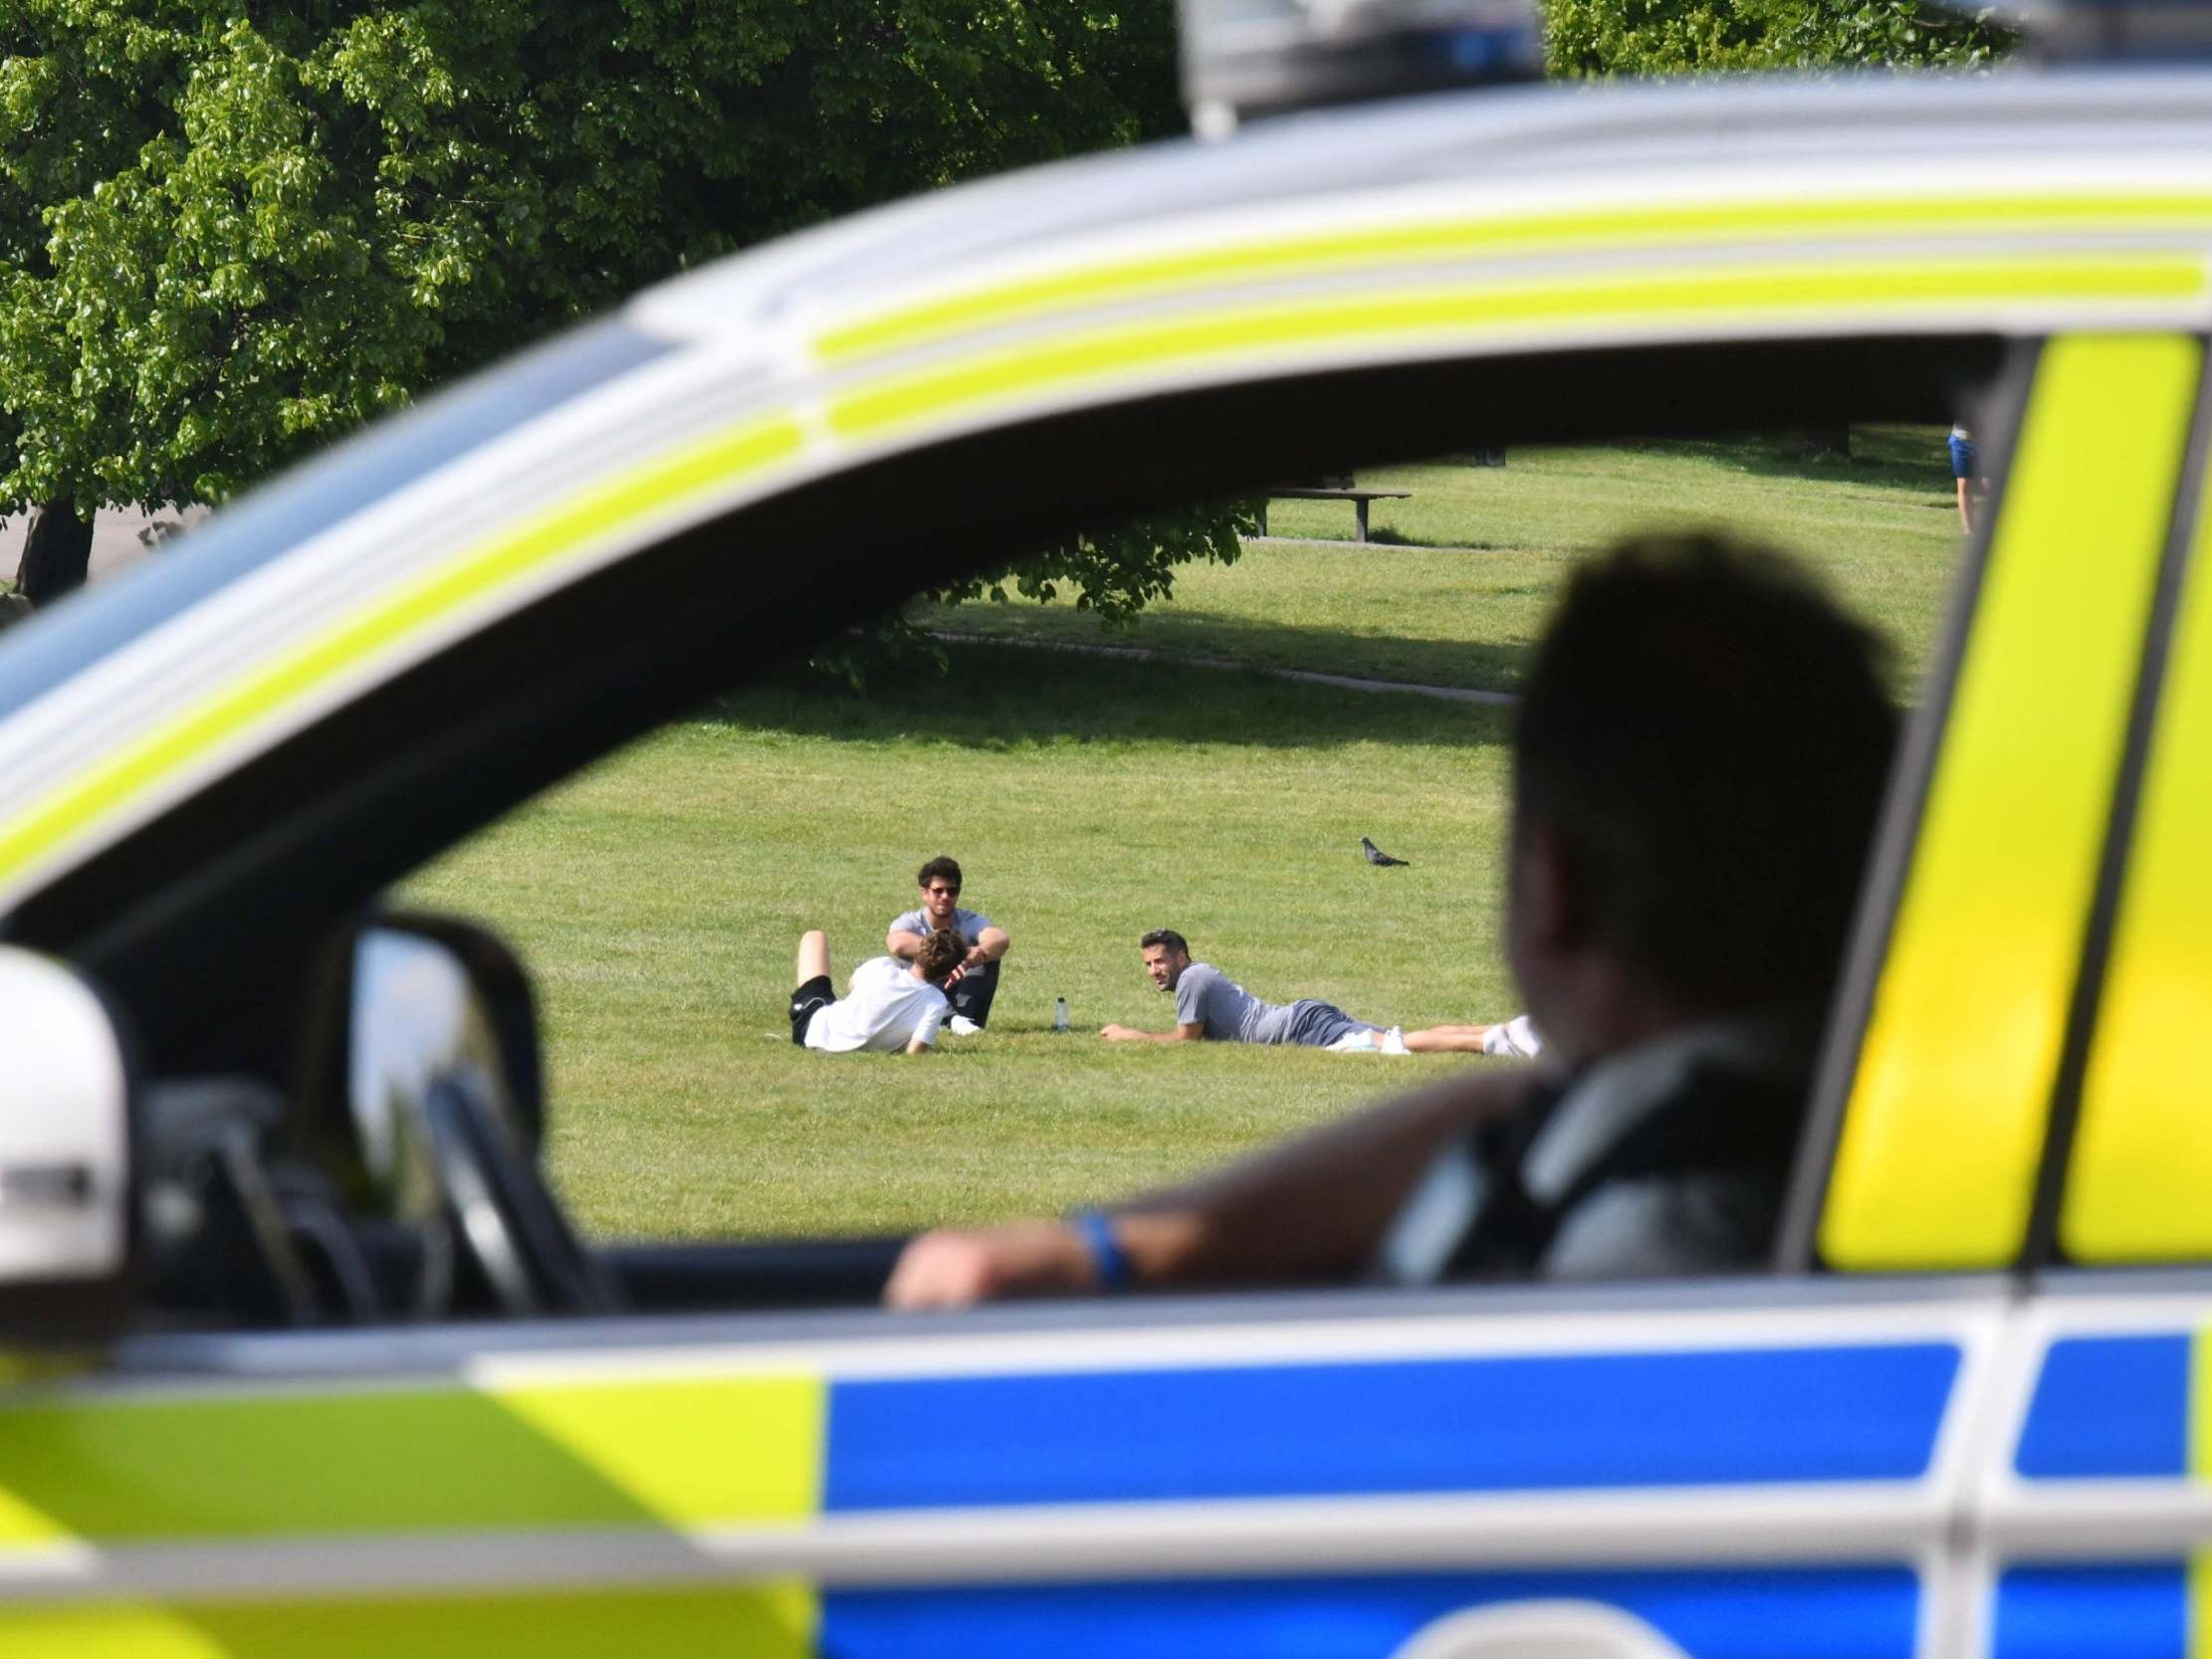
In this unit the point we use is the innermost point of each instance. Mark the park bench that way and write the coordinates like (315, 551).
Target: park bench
(1331, 493)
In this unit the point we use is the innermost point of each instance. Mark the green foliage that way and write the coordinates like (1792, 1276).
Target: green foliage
(1607, 38)
(231, 232)
(233, 229)
(1114, 574)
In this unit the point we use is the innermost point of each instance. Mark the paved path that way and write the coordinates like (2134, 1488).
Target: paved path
(117, 537)
(1139, 652)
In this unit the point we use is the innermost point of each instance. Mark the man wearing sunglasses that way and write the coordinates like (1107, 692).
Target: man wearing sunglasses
(941, 912)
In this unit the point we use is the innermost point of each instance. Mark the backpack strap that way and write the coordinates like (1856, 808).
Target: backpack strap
(1535, 1169)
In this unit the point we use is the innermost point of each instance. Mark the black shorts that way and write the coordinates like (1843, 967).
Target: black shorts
(808, 1000)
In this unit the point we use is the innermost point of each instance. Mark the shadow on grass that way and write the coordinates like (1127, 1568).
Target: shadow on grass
(1007, 697)
(1389, 535)
(1485, 665)
(1882, 458)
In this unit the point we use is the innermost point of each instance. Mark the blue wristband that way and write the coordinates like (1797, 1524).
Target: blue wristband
(1096, 1229)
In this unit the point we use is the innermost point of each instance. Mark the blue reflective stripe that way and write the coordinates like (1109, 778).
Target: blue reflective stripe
(1867, 1613)
(2108, 1407)
(1521, 1424)
(2124, 1611)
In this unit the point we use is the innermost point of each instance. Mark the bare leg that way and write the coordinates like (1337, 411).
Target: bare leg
(1965, 512)
(1446, 1039)
(813, 955)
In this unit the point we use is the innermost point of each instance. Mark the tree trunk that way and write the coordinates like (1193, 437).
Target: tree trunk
(1827, 443)
(57, 553)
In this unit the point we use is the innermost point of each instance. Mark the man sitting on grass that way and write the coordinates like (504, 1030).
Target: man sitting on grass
(985, 941)
(1698, 760)
(890, 1008)
(1210, 1004)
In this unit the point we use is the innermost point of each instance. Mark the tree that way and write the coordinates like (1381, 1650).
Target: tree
(1600, 39)
(56, 552)
(233, 229)
(1607, 38)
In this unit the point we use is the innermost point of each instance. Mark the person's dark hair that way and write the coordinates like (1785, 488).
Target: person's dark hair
(939, 865)
(1174, 942)
(940, 953)
(1709, 736)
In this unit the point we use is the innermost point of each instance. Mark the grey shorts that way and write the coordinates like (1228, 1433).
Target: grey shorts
(1317, 1024)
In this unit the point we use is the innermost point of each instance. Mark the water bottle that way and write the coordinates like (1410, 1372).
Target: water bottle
(1059, 1014)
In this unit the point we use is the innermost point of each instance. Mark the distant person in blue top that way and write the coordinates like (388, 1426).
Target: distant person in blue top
(987, 942)
(1209, 1005)
(1966, 473)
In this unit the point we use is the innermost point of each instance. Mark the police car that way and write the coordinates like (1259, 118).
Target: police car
(279, 1278)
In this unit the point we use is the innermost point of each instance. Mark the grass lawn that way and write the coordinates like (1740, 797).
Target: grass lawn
(658, 901)
(658, 898)
(1461, 593)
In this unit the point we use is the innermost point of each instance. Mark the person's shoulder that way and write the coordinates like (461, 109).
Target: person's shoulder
(1199, 976)
(971, 922)
(909, 922)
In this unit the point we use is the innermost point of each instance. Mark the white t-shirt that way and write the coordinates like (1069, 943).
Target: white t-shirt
(886, 1008)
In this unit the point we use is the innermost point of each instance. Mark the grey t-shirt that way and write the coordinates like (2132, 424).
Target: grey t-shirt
(1687, 1222)
(970, 923)
(1205, 995)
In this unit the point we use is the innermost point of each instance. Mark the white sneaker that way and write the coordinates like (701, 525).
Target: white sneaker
(960, 1025)
(1394, 1041)
(1516, 1039)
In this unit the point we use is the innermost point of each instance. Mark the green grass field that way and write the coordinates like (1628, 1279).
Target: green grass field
(658, 898)
(1459, 601)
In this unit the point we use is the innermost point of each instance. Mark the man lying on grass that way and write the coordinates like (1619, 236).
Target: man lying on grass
(891, 1006)
(1208, 1004)
(1699, 759)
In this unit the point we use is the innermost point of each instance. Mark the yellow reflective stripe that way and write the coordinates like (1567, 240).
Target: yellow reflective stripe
(2142, 1156)
(1944, 1125)
(649, 1438)
(1591, 231)
(2200, 1605)
(673, 1452)
(1822, 293)
(1847, 291)
(514, 555)
(775, 1620)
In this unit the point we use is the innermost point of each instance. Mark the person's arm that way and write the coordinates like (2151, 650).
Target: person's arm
(1190, 995)
(1313, 1207)
(902, 943)
(925, 1034)
(1130, 1034)
(990, 945)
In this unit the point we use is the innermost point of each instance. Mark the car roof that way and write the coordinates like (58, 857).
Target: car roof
(1611, 144)
(351, 668)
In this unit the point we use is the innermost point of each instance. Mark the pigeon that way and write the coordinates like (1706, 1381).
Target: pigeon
(1376, 855)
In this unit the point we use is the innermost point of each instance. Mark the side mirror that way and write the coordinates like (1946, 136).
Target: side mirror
(442, 1086)
(65, 1151)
